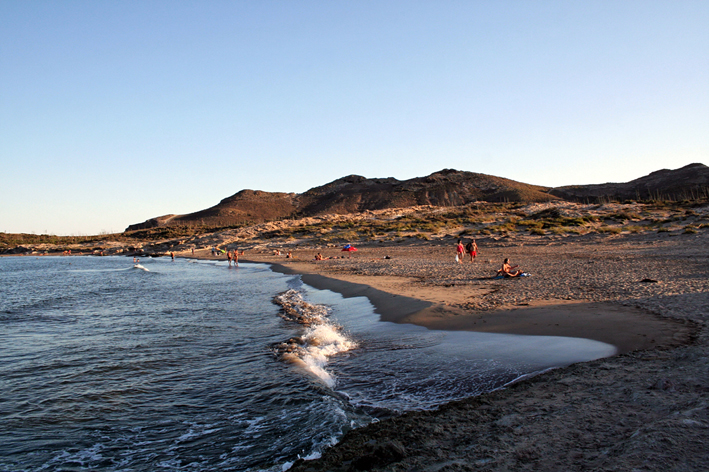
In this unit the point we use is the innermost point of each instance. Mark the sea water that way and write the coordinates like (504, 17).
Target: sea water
(195, 365)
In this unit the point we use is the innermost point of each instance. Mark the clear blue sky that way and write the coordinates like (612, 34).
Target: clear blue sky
(115, 112)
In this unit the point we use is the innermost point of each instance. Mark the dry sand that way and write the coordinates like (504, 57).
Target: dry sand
(645, 409)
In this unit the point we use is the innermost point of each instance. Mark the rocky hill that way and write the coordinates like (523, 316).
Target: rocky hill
(355, 193)
(687, 183)
(247, 206)
(447, 187)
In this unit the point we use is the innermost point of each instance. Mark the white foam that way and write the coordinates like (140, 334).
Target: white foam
(321, 340)
(328, 336)
(312, 456)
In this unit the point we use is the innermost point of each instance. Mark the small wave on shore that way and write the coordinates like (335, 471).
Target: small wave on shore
(320, 340)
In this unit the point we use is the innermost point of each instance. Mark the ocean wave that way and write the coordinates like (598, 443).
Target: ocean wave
(321, 338)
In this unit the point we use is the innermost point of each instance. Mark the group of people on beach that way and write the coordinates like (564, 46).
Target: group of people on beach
(471, 249)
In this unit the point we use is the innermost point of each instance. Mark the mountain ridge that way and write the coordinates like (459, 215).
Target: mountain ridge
(447, 187)
(685, 183)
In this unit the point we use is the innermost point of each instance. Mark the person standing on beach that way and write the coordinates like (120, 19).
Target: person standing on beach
(228, 256)
(236, 258)
(459, 252)
(472, 249)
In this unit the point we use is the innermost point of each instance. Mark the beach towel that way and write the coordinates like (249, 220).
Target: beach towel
(523, 274)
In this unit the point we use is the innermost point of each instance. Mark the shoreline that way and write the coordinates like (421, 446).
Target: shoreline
(626, 328)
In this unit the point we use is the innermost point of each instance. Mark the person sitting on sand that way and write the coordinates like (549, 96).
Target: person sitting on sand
(507, 269)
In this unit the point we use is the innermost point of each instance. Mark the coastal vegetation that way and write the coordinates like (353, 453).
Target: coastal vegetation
(421, 223)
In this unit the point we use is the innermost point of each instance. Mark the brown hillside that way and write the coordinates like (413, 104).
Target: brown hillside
(445, 188)
(245, 207)
(687, 183)
(355, 193)
(448, 187)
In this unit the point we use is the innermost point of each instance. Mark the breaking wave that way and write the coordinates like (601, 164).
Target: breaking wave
(320, 340)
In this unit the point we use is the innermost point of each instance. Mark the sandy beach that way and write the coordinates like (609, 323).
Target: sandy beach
(646, 408)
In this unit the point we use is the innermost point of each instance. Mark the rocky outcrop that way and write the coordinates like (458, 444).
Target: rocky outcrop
(18, 250)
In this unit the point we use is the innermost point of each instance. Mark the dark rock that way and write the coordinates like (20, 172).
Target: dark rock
(380, 455)
(19, 250)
